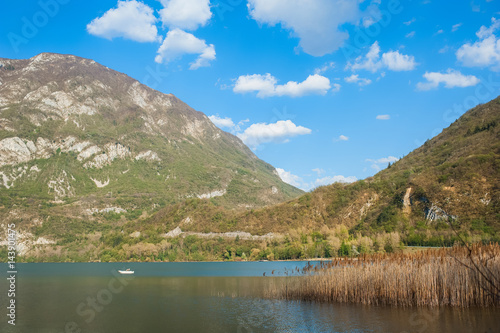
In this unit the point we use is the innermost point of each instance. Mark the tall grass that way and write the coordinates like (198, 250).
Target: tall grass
(452, 276)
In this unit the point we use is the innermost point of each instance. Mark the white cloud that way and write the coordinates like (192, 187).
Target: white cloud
(444, 49)
(368, 21)
(222, 122)
(334, 179)
(228, 123)
(289, 178)
(278, 132)
(389, 159)
(376, 164)
(440, 31)
(410, 34)
(354, 78)
(409, 22)
(185, 14)
(487, 32)
(265, 86)
(319, 171)
(451, 79)
(336, 87)
(392, 60)
(130, 20)
(178, 42)
(383, 117)
(343, 138)
(297, 181)
(398, 62)
(324, 68)
(370, 62)
(485, 52)
(455, 27)
(317, 23)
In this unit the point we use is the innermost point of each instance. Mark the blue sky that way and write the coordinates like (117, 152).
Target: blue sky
(324, 90)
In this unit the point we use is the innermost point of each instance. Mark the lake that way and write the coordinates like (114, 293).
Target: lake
(200, 297)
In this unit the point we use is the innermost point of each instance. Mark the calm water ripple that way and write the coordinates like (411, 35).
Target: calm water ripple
(201, 297)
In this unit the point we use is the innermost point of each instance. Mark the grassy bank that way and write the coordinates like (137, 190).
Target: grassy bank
(458, 276)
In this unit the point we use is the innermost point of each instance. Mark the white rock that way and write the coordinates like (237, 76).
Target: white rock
(212, 194)
(14, 151)
(99, 183)
(88, 152)
(60, 187)
(173, 233)
(148, 156)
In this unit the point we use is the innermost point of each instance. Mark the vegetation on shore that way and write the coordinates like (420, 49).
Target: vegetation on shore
(461, 276)
(106, 244)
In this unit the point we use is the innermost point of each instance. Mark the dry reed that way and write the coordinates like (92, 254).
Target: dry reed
(458, 276)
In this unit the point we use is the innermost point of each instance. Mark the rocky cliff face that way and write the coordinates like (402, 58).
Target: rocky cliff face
(77, 136)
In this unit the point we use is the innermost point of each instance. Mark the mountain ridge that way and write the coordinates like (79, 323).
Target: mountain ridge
(80, 141)
(452, 177)
(98, 174)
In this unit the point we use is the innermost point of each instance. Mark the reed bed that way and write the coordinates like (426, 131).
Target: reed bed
(458, 277)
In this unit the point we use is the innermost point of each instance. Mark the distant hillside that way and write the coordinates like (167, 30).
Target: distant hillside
(453, 177)
(82, 144)
(96, 166)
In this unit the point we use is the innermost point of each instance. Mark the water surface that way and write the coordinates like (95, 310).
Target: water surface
(201, 297)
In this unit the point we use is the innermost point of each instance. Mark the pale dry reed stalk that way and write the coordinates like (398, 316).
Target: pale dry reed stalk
(435, 277)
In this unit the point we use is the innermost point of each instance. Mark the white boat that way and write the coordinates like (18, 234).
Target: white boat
(128, 271)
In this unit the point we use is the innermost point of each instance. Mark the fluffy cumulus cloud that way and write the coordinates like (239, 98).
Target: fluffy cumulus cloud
(451, 79)
(343, 138)
(398, 62)
(392, 60)
(297, 181)
(185, 14)
(278, 132)
(222, 122)
(228, 123)
(259, 133)
(130, 19)
(266, 86)
(334, 179)
(134, 20)
(354, 78)
(289, 178)
(485, 52)
(317, 23)
(178, 43)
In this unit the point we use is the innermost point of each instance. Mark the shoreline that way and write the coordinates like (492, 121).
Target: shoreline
(159, 262)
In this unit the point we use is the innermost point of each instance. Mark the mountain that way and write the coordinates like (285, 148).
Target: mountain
(81, 143)
(454, 177)
(96, 166)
